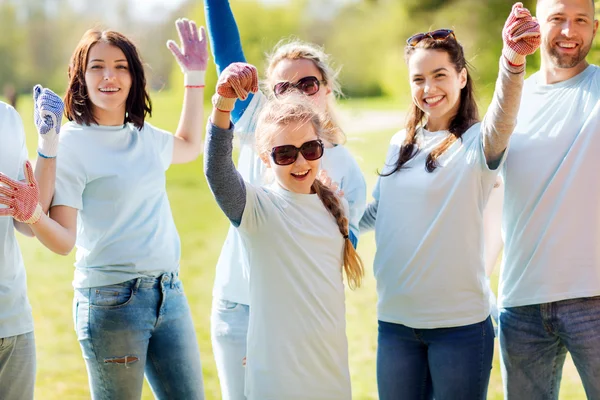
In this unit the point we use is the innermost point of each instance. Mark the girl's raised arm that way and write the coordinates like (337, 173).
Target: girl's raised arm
(238, 80)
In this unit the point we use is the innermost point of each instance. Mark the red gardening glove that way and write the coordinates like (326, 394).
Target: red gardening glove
(20, 197)
(521, 35)
(236, 81)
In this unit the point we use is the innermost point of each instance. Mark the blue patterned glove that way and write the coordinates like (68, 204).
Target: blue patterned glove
(47, 114)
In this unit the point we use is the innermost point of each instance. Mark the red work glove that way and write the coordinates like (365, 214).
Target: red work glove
(20, 197)
(521, 35)
(236, 81)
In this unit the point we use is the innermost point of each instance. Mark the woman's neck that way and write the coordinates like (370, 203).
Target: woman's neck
(109, 117)
(437, 125)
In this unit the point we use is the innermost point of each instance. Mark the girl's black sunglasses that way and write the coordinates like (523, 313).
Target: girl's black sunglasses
(287, 154)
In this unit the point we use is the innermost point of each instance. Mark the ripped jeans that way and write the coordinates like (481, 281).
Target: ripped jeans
(142, 326)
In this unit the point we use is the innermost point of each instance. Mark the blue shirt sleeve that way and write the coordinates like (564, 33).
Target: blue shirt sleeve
(226, 43)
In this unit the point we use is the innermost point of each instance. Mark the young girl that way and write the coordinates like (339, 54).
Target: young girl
(296, 235)
(131, 315)
(435, 334)
(292, 66)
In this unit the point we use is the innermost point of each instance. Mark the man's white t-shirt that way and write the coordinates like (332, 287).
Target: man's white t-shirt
(551, 216)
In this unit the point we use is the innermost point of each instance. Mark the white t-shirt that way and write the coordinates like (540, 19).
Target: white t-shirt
(231, 280)
(297, 346)
(429, 262)
(551, 217)
(115, 177)
(15, 311)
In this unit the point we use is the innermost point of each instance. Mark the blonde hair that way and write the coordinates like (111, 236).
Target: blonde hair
(294, 49)
(293, 108)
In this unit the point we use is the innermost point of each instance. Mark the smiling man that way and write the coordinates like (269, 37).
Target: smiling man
(550, 281)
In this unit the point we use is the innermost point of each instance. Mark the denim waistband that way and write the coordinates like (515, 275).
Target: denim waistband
(166, 279)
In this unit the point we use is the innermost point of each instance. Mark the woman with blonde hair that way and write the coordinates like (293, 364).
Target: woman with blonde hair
(293, 66)
(297, 235)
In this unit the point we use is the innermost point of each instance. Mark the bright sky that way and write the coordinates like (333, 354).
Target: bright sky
(148, 7)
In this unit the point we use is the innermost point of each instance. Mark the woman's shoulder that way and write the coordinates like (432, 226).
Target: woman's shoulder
(149, 130)
(473, 132)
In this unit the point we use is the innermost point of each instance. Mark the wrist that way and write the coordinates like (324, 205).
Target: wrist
(36, 216)
(513, 69)
(194, 79)
(223, 104)
(513, 58)
(48, 146)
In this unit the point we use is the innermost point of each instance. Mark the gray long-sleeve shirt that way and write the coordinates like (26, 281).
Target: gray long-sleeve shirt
(225, 182)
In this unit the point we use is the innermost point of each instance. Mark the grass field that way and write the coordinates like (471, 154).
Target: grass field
(202, 227)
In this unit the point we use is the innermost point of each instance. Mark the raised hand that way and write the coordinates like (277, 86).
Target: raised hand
(21, 198)
(192, 56)
(521, 35)
(236, 81)
(47, 115)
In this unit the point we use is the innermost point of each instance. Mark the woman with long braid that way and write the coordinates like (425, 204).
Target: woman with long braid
(297, 236)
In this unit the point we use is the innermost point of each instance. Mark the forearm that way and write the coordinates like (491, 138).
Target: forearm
(188, 136)
(45, 175)
(501, 117)
(226, 43)
(224, 180)
(23, 228)
(367, 222)
(54, 236)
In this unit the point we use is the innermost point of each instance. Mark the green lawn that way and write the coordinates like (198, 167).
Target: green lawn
(202, 227)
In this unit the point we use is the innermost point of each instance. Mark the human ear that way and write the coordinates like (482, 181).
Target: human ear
(463, 78)
(265, 159)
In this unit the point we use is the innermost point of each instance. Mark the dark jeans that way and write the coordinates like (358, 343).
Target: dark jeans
(535, 339)
(445, 363)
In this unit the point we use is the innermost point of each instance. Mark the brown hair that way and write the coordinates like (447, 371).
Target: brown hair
(293, 49)
(78, 106)
(466, 116)
(292, 108)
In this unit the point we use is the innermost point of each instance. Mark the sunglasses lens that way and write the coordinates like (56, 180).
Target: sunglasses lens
(312, 150)
(309, 85)
(414, 39)
(440, 34)
(281, 88)
(284, 155)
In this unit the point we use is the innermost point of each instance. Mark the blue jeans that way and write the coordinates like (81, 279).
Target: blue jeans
(229, 329)
(445, 363)
(534, 341)
(142, 326)
(17, 367)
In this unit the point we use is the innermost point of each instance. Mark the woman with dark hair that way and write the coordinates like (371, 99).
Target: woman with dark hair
(435, 333)
(131, 314)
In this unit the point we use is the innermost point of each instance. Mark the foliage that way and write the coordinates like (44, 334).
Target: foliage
(365, 38)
